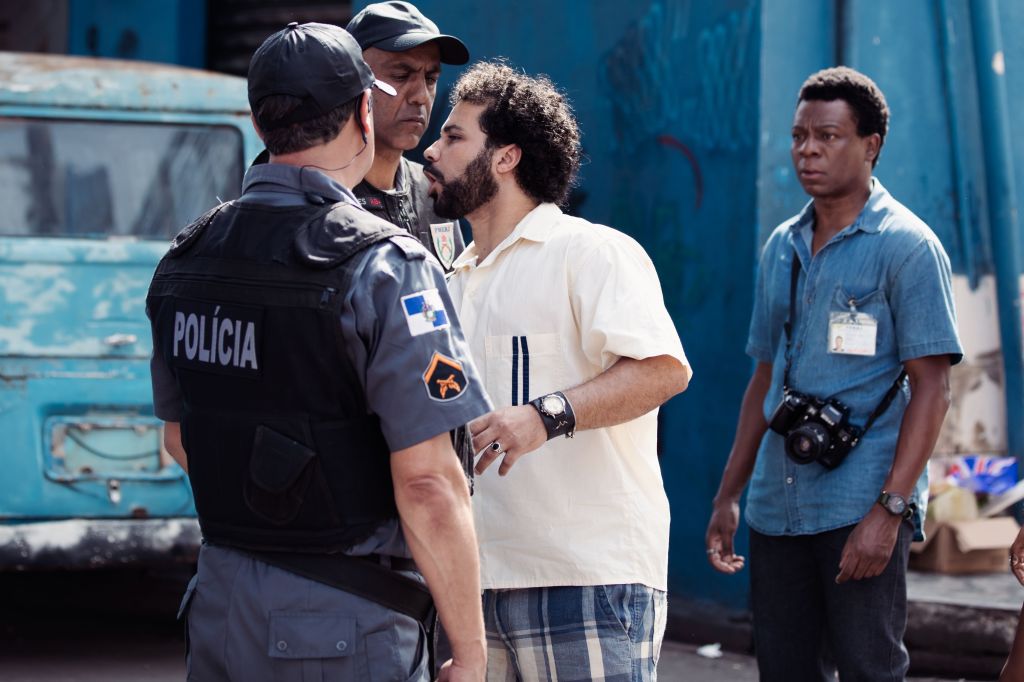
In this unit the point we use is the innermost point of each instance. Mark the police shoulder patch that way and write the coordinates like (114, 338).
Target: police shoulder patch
(425, 312)
(444, 378)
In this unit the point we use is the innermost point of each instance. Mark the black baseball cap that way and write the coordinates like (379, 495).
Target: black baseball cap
(400, 26)
(318, 63)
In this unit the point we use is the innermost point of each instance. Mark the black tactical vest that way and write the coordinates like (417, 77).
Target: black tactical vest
(283, 453)
(410, 207)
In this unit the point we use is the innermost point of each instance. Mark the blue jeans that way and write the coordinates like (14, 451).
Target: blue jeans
(806, 626)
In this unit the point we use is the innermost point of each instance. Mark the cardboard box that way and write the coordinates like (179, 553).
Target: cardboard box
(978, 546)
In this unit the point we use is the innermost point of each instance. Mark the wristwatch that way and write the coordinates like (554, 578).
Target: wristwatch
(896, 505)
(556, 413)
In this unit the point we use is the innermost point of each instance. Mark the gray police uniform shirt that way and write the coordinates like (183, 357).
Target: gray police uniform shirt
(409, 207)
(393, 348)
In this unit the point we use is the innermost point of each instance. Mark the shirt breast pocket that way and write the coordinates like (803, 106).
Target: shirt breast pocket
(873, 302)
(522, 367)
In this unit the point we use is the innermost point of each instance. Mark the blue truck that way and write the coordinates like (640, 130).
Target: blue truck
(101, 162)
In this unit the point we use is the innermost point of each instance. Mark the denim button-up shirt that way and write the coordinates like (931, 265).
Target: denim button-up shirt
(890, 265)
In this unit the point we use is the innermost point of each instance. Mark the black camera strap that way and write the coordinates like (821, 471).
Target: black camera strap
(886, 401)
(787, 327)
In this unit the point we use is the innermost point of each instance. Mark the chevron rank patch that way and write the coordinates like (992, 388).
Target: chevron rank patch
(444, 378)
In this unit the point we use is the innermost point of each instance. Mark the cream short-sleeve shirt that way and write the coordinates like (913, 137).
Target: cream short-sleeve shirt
(559, 301)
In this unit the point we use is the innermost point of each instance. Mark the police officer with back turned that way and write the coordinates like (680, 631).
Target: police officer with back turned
(309, 367)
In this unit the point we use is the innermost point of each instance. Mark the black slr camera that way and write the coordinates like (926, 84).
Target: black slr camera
(816, 430)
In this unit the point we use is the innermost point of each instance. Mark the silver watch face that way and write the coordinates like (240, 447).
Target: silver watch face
(553, 405)
(896, 504)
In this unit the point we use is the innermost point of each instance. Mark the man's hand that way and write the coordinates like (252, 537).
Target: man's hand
(455, 672)
(869, 547)
(517, 430)
(720, 535)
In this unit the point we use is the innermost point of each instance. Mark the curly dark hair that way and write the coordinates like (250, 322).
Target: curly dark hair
(298, 137)
(860, 92)
(532, 114)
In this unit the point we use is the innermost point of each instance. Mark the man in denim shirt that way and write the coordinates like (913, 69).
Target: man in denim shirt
(829, 546)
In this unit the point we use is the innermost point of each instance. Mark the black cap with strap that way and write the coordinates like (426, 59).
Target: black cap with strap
(399, 26)
(318, 63)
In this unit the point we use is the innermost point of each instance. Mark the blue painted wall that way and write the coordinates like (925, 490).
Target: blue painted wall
(172, 31)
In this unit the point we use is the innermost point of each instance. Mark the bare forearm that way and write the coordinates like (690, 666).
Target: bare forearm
(922, 421)
(626, 390)
(438, 524)
(173, 445)
(750, 429)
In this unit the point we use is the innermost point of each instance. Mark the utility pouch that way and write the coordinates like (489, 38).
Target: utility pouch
(280, 470)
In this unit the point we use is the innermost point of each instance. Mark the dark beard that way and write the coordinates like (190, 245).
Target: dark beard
(465, 194)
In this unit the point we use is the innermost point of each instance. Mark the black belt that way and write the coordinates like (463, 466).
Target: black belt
(364, 576)
(395, 563)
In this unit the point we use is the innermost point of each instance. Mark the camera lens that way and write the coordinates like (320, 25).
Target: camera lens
(807, 442)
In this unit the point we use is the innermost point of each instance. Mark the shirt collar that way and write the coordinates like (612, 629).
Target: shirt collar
(536, 226)
(281, 177)
(869, 220)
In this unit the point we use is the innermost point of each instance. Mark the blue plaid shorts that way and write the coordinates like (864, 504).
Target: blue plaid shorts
(604, 633)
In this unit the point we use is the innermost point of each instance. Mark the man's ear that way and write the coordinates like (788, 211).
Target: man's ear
(874, 145)
(365, 122)
(256, 127)
(507, 158)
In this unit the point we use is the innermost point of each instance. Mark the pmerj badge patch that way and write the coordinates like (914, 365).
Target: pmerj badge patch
(445, 379)
(443, 236)
(424, 312)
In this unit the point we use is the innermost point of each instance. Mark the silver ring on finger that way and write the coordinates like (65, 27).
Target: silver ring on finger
(496, 448)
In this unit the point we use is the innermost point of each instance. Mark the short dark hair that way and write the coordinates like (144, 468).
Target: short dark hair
(866, 100)
(298, 137)
(532, 114)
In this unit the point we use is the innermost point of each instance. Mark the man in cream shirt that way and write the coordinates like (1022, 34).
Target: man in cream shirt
(566, 321)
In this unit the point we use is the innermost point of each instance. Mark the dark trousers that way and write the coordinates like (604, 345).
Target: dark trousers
(806, 626)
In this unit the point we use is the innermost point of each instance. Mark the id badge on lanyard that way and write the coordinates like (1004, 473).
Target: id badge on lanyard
(852, 333)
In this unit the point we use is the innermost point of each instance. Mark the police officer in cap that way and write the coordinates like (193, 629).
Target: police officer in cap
(405, 49)
(309, 367)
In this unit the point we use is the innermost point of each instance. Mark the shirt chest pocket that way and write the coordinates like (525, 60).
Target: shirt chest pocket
(522, 367)
(873, 302)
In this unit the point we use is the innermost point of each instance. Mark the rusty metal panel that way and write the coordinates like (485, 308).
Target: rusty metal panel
(87, 82)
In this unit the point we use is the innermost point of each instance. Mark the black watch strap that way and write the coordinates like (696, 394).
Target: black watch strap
(556, 423)
(908, 509)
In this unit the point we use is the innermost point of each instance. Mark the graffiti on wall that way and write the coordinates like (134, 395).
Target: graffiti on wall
(667, 74)
(682, 85)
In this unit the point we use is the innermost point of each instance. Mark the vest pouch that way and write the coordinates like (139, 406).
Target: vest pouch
(280, 472)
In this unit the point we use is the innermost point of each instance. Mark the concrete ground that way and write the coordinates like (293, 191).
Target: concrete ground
(681, 663)
(119, 627)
